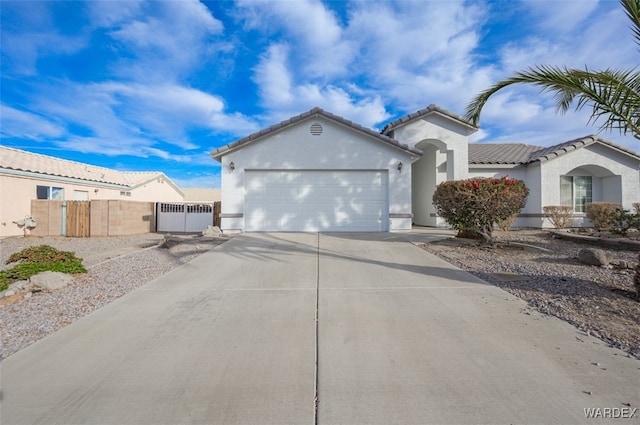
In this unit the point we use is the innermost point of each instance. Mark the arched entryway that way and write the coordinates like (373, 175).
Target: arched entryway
(426, 174)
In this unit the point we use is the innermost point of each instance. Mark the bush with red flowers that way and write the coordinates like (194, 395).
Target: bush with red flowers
(477, 204)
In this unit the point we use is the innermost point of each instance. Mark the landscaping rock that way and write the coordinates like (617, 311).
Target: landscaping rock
(621, 264)
(212, 231)
(19, 285)
(51, 280)
(593, 257)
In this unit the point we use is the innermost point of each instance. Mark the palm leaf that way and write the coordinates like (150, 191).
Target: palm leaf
(632, 9)
(613, 95)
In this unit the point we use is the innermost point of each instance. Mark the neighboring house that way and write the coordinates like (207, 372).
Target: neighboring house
(320, 172)
(25, 176)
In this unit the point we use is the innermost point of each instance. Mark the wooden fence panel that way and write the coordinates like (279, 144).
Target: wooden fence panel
(78, 219)
(217, 207)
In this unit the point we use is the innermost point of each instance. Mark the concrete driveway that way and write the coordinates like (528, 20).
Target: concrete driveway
(400, 338)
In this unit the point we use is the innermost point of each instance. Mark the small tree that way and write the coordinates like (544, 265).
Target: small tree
(477, 204)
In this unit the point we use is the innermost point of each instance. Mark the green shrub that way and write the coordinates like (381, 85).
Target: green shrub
(601, 213)
(479, 203)
(636, 207)
(36, 259)
(623, 220)
(561, 216)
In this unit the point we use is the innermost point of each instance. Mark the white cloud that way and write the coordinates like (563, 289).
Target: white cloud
(408, 54)
(23, 124)
(164, 41)
(273, 77)
(561, 16)
(136, 119)
(111, 13)
(283, 98)
(312, 30)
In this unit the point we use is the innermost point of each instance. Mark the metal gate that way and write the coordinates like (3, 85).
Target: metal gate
(185, 217)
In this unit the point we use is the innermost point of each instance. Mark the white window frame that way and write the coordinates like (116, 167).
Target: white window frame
(53, 192)
(576, 191)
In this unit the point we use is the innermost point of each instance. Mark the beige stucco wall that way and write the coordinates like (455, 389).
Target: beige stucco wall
(16, 193)
(156, 190)
(202, 195)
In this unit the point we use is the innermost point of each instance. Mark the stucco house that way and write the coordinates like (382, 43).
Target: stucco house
(320, 172)
(25, 176)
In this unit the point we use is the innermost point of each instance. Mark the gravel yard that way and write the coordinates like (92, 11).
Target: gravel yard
(116, 266)
(598, 300)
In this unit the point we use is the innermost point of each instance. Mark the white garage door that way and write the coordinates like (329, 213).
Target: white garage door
(311, 201)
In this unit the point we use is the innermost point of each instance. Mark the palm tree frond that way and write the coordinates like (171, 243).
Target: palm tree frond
(632, 9)
(613, 95)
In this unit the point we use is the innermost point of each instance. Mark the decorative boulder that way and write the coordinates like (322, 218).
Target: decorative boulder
(593, 257)
(51, 280)
(212, 231)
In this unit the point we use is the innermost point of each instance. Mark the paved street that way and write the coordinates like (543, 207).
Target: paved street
(232, 338)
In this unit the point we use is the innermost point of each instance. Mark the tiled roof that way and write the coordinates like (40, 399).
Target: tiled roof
(501, 153)
(516, 153)
(429, 110)
(15, 159)
(218, 153)
(562, 148)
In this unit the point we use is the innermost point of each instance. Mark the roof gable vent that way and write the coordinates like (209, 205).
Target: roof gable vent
(316, 129)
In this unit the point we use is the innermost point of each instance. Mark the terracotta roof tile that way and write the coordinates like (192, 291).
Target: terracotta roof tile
(16, 159)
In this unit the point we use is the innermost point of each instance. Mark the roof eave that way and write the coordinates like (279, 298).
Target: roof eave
(430, 110)
(582, 143)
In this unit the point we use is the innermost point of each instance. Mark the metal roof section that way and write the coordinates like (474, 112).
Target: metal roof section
(19, 160)
(217, 154)
(429, 110)
(516, 153)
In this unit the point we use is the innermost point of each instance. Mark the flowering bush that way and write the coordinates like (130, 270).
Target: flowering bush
(476, 204)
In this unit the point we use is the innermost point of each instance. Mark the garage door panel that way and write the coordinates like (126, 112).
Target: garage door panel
(316, 201)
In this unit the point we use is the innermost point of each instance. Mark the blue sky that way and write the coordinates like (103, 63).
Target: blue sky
(156, 85)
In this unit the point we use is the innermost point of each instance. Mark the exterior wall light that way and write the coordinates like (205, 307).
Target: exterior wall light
(400, 165)
(232, 166)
